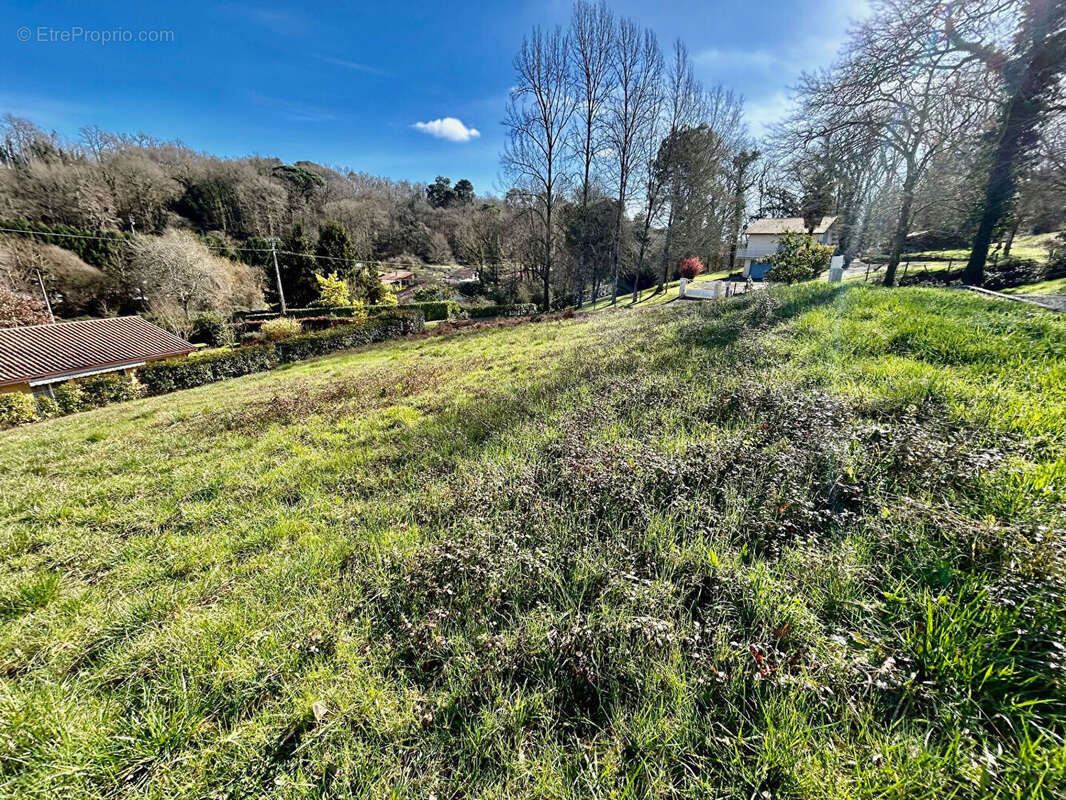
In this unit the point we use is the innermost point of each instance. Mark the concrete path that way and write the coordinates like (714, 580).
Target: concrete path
(1054, 302)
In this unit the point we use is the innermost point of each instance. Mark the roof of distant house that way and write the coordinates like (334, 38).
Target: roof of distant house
(396, 275)
(462, 275)
(786, 225)
(42, 352)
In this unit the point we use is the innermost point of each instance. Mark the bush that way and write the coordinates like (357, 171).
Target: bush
(333, 291)
(71, 397)
(17, 408)
(427, 294)
(275, 330)
(798, 258)
(1011, 272)
(16, 309)
(432, 310)
(389, 299)
(514, 310)
(168, 376)
(47, 407)
(113, 387)
(212, 329)
(161, 377)
(690, 267)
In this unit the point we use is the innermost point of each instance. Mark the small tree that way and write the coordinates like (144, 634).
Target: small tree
(798, 258)
(691, 267)
(333, 291)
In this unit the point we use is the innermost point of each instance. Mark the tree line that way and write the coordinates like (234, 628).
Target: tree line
(623, 162)
(937, 125)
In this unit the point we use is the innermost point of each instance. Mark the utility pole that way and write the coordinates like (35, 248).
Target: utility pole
(277, 272)
(44, 294)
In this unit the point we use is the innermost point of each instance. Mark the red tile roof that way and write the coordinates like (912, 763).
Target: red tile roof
(45, 351)
(396, 275)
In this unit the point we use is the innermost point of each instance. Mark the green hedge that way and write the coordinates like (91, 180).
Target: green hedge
(433, 310)
(17, 408)
(516, 310)
(168, 376)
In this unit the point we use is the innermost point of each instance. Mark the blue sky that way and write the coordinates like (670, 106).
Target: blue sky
(345, 84)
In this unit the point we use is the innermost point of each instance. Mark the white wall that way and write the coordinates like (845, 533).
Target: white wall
(761, 244)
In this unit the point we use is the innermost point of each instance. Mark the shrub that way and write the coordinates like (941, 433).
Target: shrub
(389, 299)
(161, 377)
(332, 290)
(275, 330)
(431, 310)
(212, 329)
(196, 370)
(798, 258)
(427, 294)
(71, 397)
(113, 387)
(16, 309)
(690, 267)
(17, 408)
(47, 407)
(513, 310)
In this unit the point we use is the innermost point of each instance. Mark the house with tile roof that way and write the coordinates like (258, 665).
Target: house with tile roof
(764, 235)
(35, 357)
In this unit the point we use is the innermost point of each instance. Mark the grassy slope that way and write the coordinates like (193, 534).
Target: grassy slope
(648, 296)
(1034, 246)
(802, 543)
(1054, 286)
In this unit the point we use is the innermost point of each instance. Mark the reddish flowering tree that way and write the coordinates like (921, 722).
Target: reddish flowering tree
(16, 309)
(690, 267)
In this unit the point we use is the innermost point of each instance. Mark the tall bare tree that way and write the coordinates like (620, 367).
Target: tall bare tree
(538, 114)
(637, 68)
(682, 104)
(1030, 69)
(901, 79)
(592, 38)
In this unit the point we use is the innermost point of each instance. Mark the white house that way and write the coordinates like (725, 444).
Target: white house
(764, 235)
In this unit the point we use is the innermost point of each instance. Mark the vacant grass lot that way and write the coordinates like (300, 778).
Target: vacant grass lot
(802, 543)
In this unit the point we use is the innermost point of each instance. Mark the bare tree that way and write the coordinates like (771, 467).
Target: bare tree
(900, 80)
(592, 38)
(631, 112)
(682, 104)
(1029, 69)
(539, 111)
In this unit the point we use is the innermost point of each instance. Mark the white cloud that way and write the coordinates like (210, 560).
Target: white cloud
(448, 128)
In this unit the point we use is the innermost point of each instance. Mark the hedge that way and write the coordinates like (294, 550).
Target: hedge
(516, 310)
(168, 376)
(17, 408)
(431, 310)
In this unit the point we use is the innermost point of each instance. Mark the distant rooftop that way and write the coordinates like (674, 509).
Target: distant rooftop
(43, 353)
(786, 225)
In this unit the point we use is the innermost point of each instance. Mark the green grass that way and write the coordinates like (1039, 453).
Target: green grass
(1055, 286)
(1032, 246)
(649, 297)
(802, 543)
